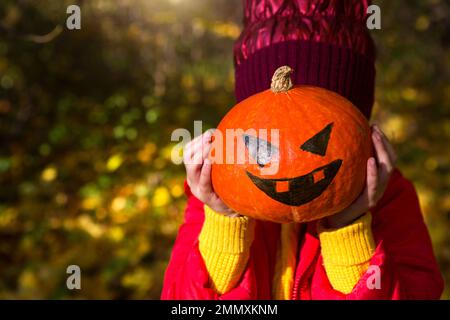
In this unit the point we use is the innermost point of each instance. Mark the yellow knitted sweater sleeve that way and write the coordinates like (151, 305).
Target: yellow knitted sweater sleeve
(347, 252)
(224, 244)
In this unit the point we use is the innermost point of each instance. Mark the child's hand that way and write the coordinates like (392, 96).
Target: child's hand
(198, 171)
(377, 180)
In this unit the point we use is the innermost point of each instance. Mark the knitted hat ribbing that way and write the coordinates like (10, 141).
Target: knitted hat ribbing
(326, 42)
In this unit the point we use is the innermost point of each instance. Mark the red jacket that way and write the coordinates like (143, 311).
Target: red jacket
(404, 256)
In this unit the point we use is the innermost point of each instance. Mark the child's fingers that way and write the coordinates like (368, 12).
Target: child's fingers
(192, 161)
(189, 150)
(204, 184)
(363, 203)
(207, 136)
(391, 152)
(192, 173)
(197, 158)
(372, 182)
(202, 146)
(196, 151)
(199, 145)
(382, 155)
(194, 154)
(207, 144)
(390, 149)
(205, 150)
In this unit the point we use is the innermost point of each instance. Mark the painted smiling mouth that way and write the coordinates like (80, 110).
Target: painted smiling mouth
(299, 190)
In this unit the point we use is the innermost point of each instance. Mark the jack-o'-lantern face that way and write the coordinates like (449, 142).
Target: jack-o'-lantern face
(301, 189)
(314, 166)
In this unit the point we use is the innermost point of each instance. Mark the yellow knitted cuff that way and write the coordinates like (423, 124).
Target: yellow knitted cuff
(346, 252)
(224, 244)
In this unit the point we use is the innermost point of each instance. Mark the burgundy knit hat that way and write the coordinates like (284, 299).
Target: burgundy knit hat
(326, 42)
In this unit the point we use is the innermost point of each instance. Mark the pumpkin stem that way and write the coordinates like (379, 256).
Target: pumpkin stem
(281, 80)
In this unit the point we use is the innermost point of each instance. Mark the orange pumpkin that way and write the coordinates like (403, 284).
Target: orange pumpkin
(317, 141)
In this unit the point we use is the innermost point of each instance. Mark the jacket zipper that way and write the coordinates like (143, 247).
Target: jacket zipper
(306, 274)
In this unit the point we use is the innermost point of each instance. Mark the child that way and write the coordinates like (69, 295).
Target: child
(378, 248)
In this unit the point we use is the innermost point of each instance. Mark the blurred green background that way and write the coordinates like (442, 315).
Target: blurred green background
(86, 118)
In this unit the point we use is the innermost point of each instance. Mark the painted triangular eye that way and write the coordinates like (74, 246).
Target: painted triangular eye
(319, 143)
(261, 150)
